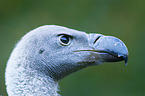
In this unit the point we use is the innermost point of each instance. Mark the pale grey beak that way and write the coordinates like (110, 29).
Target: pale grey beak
(110, 48)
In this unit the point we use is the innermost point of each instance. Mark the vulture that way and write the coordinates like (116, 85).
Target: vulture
(48, 53)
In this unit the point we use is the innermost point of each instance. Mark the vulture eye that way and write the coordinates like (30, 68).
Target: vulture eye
(64, 40)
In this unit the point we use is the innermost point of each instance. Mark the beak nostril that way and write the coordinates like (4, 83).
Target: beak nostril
(96, 39)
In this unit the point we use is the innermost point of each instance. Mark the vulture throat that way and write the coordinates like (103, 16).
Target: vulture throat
(48, 53)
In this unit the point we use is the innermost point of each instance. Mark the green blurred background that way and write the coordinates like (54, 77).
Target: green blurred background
(124, 19)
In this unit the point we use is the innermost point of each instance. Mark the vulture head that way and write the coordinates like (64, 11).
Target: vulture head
(48, 53)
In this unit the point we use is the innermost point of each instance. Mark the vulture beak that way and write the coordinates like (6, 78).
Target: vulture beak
(110, 49)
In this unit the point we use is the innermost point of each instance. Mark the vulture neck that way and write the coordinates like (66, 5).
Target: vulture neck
(31, 82)
(22, 79)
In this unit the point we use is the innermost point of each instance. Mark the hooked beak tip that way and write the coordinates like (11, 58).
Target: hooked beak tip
(126, 60)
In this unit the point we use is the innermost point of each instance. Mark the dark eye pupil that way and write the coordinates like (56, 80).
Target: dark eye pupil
(64, 39)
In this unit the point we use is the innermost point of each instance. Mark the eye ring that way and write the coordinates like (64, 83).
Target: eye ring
(64, 40)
